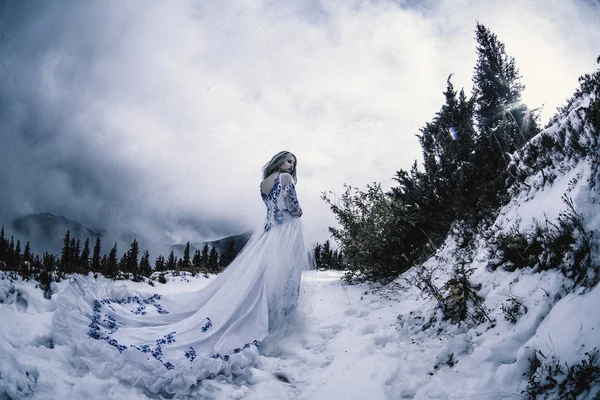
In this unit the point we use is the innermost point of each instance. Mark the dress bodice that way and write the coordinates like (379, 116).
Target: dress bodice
(282, 201)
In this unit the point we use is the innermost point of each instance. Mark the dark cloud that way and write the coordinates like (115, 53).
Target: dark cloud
(50, 161)
(153, 119)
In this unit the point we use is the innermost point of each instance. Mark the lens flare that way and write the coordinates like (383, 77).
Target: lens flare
(453, 133)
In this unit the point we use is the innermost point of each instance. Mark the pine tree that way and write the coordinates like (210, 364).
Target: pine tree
(132, 258)
(123, 263)
(498, 92)
(27, 256)
(65, 257)
(448, 142)
(227, 256)
(17, 254)
(172, 262)
(84, 260)
(204, 258)
(145, 269)
(340, 260)
(159, 263)
(96, 256)
(112, 264)
(46, 275)
(317, 253)
(3, 246)
(11, 259)
(503, 120)
(185, 261)
(196, 262)
(326, 255)
(104, 265)
(75, 249)
(26, 264)
(213, 261)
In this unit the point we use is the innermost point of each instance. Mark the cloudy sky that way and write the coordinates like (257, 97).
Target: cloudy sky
(156, 117)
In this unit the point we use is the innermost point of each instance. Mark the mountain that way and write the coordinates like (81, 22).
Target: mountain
(45, 231)
(240, 241)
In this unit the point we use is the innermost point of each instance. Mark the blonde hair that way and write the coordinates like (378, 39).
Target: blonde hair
(277, 161)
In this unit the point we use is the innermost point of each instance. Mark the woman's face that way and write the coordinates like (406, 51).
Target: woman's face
(288, 165)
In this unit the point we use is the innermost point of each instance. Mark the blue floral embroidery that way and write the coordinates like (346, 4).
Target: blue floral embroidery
(225, 357)
(272, 198)
(291, 200)
(206, 326)
(156, 350)
(141, 310)
(191, 354)
(102, 326)
(113, 342)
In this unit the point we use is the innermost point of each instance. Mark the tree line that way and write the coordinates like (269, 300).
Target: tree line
(328, 258)
(82, 259)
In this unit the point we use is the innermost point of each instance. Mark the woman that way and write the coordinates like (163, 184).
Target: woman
(169, 344)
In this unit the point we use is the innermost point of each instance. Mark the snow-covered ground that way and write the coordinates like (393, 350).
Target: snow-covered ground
(362, 341)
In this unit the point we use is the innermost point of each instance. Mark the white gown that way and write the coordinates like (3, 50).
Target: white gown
(169, 343)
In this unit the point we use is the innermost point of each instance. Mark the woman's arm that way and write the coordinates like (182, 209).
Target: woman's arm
(290, 196)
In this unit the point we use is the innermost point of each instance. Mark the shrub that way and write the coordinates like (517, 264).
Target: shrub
(371, 237)
(565, 245)
(549, 377)
(513, 309)
(458, 297)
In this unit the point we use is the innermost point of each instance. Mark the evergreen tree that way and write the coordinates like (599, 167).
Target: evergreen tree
(340, 260)
(204, 258)
(74, 255)
(326, 255)
(334, 261)
(96, 256)
(46, 275)
(498, 94)
(3, 246)
(185, 261)
(104, 265)
(159, 263)
(213, 261)
(27, 256)
(504, 122)
(196, 262)
(65, 257)
(123, 263)
(497, 84)
(172, 262)
(132, 258)
(446, 184)
(112, 264)
(17, 254)
(25, 267)
(317, 254)
(227, 256)
(145, 269)
(84, 259)
(11, 259)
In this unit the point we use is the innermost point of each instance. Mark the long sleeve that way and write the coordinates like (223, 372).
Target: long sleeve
(290, 196)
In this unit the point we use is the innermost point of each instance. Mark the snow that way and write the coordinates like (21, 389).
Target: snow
(359, 341)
